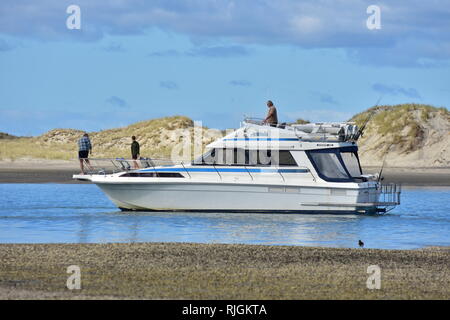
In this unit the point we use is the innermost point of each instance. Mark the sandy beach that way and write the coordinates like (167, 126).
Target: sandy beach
(219, 271)
(59, 171)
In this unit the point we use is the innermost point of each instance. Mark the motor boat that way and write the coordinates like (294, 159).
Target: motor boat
(297, 168)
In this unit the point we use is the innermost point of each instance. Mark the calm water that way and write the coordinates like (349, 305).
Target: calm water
(52, 213)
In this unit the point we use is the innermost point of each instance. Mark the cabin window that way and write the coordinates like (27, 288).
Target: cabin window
(285, 158)
(241, 157)
(328, 165)
(336, 164)
(351, 162)
(206, 158)
(152, 175)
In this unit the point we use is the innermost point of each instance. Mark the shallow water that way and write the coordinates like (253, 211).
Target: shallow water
(80, 213)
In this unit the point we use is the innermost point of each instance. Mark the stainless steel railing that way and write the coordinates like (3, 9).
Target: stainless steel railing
(110, 166)
(390, 194)
(114, 165)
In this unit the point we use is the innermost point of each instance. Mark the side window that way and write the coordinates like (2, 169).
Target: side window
(264, 157)
(352, 163)
(220, 156)
(283, 158)
(286, 159)
(242, 157)
(328, 165)
(207, 158)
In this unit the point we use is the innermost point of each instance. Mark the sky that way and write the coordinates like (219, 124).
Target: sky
(215, 61)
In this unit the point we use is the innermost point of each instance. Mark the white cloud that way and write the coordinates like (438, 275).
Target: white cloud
(420, 26)
(395, 90)
(305, 24)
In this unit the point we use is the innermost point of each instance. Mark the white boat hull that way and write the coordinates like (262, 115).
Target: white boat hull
(239, 198)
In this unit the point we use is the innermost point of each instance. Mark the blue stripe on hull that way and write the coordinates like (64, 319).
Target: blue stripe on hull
(225, 170)
(262, 139)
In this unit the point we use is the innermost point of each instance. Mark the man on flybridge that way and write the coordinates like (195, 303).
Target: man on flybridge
(271, 118)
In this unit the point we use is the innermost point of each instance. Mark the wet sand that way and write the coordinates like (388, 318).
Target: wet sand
(219, 271)
(414, 176)
(28, 175)
(61, 172)
(38, 171)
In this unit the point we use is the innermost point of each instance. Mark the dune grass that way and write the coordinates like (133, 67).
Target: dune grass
(157, 138)
(24, 148)
(402, 126)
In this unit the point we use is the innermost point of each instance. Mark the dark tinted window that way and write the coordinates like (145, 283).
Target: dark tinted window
(336, 164)
(285, 158)
(153, 174)
(351, 162)
(329, 165)
(247, 157)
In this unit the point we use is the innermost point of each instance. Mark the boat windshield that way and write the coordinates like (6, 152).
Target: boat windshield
(336, 164)
(351, 162)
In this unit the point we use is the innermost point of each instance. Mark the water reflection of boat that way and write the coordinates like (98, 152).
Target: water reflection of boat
(312, 168)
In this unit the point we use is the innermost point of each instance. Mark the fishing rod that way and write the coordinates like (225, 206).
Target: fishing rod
(363, 127)
(384, 162)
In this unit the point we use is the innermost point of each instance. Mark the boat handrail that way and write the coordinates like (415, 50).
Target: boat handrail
(257, 121)
(389, 195)
(314, 131)
(106, 166)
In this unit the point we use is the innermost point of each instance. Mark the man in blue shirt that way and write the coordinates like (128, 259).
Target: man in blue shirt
(84, 147)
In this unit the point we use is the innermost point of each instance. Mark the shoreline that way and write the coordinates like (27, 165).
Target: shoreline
(220, 271)
(40, 171)
(39, 175)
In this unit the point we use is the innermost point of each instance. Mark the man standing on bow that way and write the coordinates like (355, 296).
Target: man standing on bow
(84, 147)
(135, 151)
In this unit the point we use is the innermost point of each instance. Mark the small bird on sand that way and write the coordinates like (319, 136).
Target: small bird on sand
(361, 244)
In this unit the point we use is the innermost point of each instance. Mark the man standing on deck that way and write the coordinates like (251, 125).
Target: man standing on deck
(272, 118)
(135, 152)
(84, 147)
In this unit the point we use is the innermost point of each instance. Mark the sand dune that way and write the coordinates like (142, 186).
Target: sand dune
(408, 135)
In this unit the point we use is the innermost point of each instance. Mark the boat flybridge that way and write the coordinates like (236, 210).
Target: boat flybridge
(309, 168)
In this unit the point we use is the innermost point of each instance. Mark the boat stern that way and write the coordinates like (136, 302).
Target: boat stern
(378, 198)
(388, 196)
